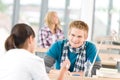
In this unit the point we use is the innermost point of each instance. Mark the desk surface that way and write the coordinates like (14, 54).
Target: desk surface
(53, 76)
(108, 73)
(109, 62)
(37, 49)
(109, 59)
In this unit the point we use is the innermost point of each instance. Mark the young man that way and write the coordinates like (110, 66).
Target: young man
(76, 49)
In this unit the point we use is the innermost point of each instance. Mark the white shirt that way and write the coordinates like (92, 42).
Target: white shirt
(19, 64)
(54, 38)
(3, 36)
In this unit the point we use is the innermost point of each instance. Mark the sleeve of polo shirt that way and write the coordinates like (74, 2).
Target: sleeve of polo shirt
(53, 51)
(51, 56)
(91, 51)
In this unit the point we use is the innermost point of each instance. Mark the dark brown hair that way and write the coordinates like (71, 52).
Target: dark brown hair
(19, 33)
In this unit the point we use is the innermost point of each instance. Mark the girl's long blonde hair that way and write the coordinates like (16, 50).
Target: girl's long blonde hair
(48, 19)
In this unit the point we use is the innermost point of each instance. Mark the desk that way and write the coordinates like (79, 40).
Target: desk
(109, 59)
(37, 49)
(109, 63)
(54, 76)
(40, 51)
(108, 73)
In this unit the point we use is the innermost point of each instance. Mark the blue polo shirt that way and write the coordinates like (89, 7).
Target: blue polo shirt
(56, 50)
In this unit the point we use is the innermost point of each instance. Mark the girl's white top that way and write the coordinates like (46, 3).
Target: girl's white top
(19, 64)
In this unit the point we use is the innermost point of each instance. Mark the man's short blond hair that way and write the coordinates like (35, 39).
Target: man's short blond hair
(80, 25)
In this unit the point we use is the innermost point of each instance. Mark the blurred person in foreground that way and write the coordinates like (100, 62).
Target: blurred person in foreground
(20, 62)
(76, 49)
